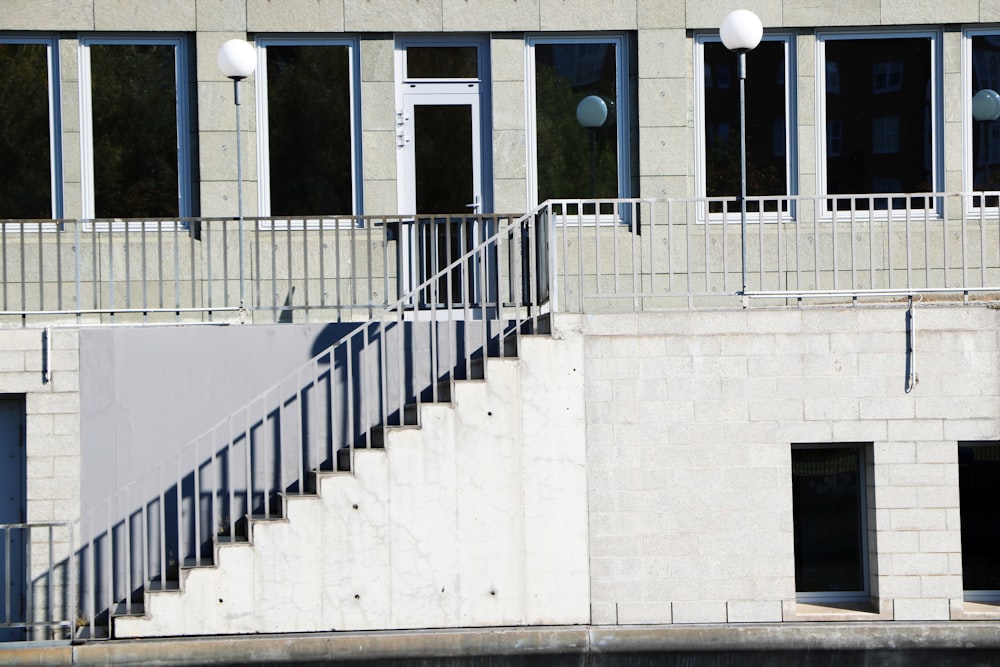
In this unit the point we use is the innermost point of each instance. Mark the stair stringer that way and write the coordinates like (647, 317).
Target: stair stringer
(476, 518)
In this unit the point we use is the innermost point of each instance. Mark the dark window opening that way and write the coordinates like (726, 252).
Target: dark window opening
(979, 482)
(25, 169)
(881, 104)
(766, 123)
(573, 161)
(309, 111)
(828, 508)
(134, 118)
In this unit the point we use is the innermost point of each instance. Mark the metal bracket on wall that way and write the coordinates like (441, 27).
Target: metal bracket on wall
(911, 356)
(46, 355)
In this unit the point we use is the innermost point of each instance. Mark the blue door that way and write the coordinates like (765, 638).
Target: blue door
(13, 507)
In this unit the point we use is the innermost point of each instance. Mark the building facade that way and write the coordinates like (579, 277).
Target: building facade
(803, 431)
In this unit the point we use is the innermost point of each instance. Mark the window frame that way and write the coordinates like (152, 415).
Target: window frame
(623, 115)
(968, 123)
(182, 105)
(55, 115)
(791, 155)
(936, 121)
(261, 44)
(865, 511)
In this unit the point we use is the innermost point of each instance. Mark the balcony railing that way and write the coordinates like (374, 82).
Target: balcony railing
(621, 254)
(323, 269)
(649, 254)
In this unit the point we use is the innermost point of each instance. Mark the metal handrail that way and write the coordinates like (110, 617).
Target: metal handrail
(313, 420)
(630, 255)
(37, 599)
(624, 254)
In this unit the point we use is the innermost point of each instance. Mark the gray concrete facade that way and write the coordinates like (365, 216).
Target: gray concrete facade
(690, 416)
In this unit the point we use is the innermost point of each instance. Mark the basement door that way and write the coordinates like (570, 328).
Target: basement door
(442, 167)
(13, 508)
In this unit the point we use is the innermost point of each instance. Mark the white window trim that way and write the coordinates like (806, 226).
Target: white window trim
(263, 151)
(179, 43)
(937, 116)
(823, 597)
(791, 125)
(55, 114)
(622, 111)
(968, 168)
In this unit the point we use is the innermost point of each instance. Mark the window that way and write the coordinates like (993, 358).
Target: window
(885, 135)
(570, 161)
(30, 167)
(136, 148)
(880, 92)
(829, 512)
(983, 135)
(979, 482)
(307, 127)
(768, 112)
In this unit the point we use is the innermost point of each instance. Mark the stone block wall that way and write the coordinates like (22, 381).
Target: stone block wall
(691, 418)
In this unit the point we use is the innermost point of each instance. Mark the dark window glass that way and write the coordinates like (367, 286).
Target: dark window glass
(574, 161)
(879, 98)
(25, 166)
(309, 130)
(442, 62)
(986, 134)
(134, 115)
(765, 121)
(827, 507)
(979, 482)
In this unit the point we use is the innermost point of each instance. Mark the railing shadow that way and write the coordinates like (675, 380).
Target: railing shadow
(142, 537)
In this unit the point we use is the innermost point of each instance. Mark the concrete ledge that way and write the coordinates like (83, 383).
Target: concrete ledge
(575, 640)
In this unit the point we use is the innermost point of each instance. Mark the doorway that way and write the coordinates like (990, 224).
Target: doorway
(443, 165)
(13, 511)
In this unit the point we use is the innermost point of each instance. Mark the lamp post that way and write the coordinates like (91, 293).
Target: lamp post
(741, 31)
(592, 113)
(236, 59)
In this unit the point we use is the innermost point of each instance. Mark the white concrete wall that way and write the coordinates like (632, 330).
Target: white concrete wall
(477, 518)
(690, 422)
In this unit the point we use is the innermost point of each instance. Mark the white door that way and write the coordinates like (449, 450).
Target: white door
(442, 187)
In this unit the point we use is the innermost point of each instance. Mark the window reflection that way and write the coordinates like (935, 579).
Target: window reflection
(134, 123)
(879, 102)
(25, 169)
(986, 134)
(767, 169)
(309, 113)
(565, 73)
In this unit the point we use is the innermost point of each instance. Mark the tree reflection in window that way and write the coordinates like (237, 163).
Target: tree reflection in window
(309, 129)
(765, 111)
(134, 124)
(25, 168)
(565, 73)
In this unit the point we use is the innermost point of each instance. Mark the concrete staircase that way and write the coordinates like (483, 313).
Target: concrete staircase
(477, 516)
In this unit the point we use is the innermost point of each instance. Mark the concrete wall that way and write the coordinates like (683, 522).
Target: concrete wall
(477, 518)
(690, 422)
(146, 392)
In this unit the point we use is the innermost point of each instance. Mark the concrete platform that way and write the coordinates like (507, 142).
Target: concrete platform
(914, 643)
